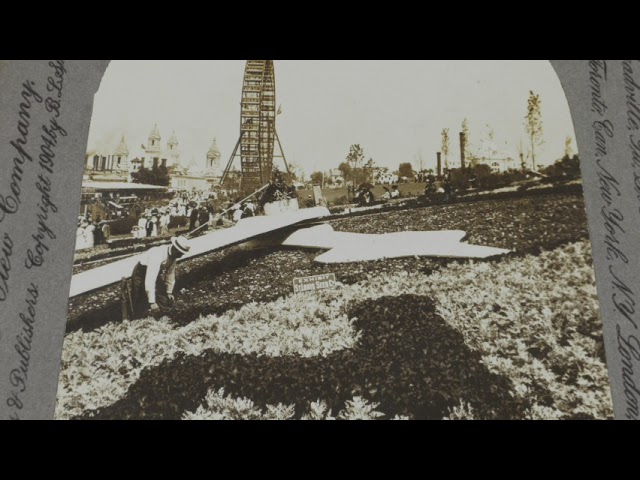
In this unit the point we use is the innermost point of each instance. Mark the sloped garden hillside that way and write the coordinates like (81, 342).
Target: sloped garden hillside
(516, 337)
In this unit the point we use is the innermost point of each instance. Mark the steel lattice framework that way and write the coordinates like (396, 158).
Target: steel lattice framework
(257, 126)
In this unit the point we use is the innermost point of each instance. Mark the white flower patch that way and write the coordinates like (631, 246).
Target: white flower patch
(218, 407)
(99, 367)
(522, 314)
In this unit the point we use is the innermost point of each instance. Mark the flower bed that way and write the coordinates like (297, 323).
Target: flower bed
(227, 280)
(514, 338)
(524, 225)
(407, 359)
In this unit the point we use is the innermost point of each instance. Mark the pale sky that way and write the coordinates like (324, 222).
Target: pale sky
(394, 109)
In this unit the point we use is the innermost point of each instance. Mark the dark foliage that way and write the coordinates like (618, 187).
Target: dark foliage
(277, 190)
(157, 175)
(408, 360)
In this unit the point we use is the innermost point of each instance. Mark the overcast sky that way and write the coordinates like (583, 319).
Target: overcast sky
(395, 109)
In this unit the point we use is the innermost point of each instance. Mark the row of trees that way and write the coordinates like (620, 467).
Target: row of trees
(482, 177)
(534, 130)
(356, 170)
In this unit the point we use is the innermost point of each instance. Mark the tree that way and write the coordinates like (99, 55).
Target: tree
(465, 130)
(317, 178)
(483, 176)
(328, 179)
(567, 167)
(406, 170)
(355, 160)
(157, 175)
(459, 179)
(489, 142)
(296, 171)
(568, 151)
(523, 165)
(491, 134)
(533, 125)
(345, 170)
(446, 145)
(355, 157)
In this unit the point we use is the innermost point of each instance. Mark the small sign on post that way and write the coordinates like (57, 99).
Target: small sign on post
(317, 282)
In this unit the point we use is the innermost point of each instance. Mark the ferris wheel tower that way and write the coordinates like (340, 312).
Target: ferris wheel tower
(258, 134)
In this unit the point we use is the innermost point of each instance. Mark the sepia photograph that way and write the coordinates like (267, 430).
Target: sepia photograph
(332, 240)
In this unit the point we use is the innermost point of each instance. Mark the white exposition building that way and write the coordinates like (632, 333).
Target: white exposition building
(121, 160)
(154, 155)
(118, 164)
(116, 161)
(492, 156)
(196, 178)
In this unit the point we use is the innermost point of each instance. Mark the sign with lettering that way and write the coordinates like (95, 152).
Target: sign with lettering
(311, 284)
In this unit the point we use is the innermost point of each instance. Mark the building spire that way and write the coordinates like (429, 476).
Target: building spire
(122, 149)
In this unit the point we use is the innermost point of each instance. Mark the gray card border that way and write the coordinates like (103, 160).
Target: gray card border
(589, 85)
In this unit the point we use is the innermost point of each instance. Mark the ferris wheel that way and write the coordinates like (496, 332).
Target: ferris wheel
(258, 135)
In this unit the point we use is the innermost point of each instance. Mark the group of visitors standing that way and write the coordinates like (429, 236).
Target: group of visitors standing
(199, 217)
(197, 207)
(90, 233)
(154, 223)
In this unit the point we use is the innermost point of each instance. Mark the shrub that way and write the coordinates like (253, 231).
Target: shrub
(343, 200)
(123, 226)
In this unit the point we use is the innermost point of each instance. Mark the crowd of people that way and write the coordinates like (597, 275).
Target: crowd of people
(365, 197)
(154, 223)
(196, 208)
(438, 186)
(91, 233)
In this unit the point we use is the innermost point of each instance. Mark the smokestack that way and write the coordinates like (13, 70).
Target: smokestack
(439, 164)
(462, 152)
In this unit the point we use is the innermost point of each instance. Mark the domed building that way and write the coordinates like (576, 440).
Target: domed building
(121, 155)
(194, 177)
(121, 161)
(172, 150)
(214, 169)
(153, 145)
(155, 155)
(110, 165)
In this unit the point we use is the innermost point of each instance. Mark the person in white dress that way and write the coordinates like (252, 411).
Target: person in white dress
(80, 239)
(238, 213)
(154, 225)
(164, 224)
(88, 235)
(142, 227)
